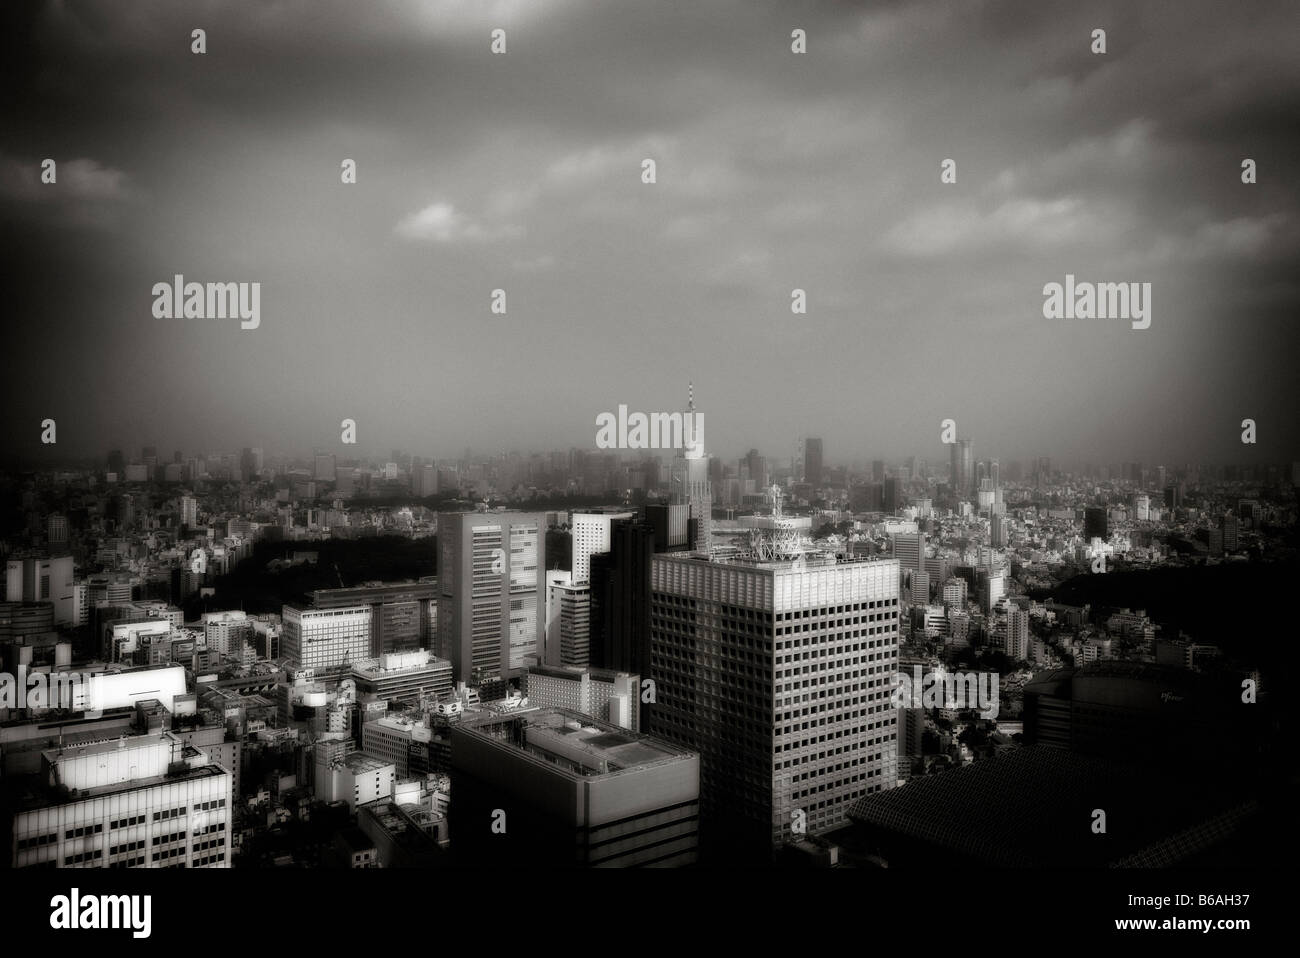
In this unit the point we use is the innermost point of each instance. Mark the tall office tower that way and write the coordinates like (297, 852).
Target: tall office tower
(125, 511)
(893, 496)
(1229, 525)
(189, 512)
(568, 626)
(878, 470)
(327, 640)
(995, 473)
(424, 480)
(324, 467)
(1161, 477)
(998, 531)
(954, 595)
(1043, 470)
(56, 531)
(577, 792)
(962, 476)
(1173, 496)
(919, 588)
(1018, 634)
(813, 467)
(993, 586)
(757, 466)
(117, 463)
(671, 523)
(1094, 523)
(590, 534)
(909, 550)
(691, 479)
(491, 587)
(620, 598)
(1142, 507)
(138, 802)
(760, 664)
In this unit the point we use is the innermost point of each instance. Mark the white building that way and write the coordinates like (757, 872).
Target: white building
(325, 640)
(590, 533)
(148, 801)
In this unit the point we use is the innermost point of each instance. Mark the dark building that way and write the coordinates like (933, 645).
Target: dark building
(671, 525)
(620, 598)
(1094, 523)
(868, 497)
(893, 498)
(812, 462)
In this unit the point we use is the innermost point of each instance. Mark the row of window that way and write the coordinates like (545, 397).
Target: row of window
(81, 830)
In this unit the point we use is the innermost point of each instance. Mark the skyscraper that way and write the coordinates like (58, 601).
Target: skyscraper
(812, 462)
(1094, 523)
(759, 665)
(691, 479)
(962, 476)
(491, 607)
(590, 534)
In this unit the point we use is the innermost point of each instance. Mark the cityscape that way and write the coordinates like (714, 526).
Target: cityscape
(473, 441)
(776, 662)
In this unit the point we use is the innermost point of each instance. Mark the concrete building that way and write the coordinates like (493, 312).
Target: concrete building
(612, 697)
(491, 606)
(777, 671)
(326, 640)
(554, 788)
(147, 801)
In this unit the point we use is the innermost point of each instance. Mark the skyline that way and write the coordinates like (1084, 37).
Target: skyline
(821, 172)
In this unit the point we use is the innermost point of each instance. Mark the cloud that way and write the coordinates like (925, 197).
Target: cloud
(442, 223)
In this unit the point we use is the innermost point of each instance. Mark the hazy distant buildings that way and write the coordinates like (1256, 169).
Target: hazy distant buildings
(812, 462)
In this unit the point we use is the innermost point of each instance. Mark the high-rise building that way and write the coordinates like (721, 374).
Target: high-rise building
(189, 512)
(324, 467)
(909, 550)
(893, 495)
(1095, 524)
(1229, 525)
(590, 534)
(424, 480)
(812, 462)
(620, 598)
(568, 626)
(759, 665)
(962, 477)
(1018, 634)
(491, 588)
(56, 531)
(691, 479)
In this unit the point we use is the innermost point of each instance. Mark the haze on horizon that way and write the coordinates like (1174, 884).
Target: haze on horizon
(775, 171)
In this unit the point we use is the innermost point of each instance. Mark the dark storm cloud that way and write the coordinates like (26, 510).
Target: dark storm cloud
(775, 171)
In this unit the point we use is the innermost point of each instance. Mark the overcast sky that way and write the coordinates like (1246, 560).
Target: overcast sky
(523, 171)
